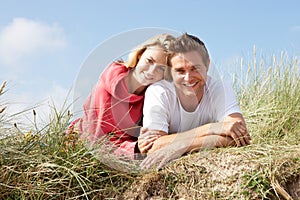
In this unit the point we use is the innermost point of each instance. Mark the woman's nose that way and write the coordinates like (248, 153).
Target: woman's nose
(152, 69)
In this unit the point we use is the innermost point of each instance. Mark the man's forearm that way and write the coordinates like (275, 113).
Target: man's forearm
(203, 136)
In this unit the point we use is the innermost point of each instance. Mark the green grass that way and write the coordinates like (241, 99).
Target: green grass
(36, 163)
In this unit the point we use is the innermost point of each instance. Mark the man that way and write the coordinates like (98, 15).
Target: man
(202, 111)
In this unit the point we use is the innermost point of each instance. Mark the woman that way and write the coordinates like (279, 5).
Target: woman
(114, 108)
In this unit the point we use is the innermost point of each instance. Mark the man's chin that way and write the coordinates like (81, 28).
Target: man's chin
(190, 94)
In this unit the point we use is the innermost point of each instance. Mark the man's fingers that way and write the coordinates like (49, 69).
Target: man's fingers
(159, 159)
(151, 133)
(243, 134)
(148, 162)
(242, 138)
(149, 138)
(242, 129)
(145, 144)
(143, 130)
(145, 147)
(249, 137)
(162, 163)
(236, 139)
(246, 137)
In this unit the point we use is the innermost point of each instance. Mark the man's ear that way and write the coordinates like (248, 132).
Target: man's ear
(208, 64)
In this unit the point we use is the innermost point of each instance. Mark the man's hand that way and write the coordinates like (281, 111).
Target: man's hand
(236, 129)
(159, 158)
(147, 138)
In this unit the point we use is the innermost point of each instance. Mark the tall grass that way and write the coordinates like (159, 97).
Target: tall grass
(45, 163)
(269, 97)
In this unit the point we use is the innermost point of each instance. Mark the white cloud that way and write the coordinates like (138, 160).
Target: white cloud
(295, 28)
(25, 37)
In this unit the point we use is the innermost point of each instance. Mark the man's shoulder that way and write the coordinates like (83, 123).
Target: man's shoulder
(216, 84)
(212, 81)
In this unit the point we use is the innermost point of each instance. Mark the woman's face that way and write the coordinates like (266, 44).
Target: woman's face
(151, 66)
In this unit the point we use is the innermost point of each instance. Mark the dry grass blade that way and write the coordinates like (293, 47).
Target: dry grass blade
(280, 190)
(80, 179)
(2, 109)
(2, 87)
(1, 92)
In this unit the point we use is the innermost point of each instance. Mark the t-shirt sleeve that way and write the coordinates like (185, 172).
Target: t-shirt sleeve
(156, 108)
(226, 102)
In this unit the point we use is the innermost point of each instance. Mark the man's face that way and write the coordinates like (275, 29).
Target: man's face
(189, 74)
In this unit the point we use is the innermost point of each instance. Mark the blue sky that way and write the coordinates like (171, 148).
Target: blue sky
(44, 43)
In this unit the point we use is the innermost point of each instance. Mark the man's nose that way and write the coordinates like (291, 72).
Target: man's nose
(187, 76)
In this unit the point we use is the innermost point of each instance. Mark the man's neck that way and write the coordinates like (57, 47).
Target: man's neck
(189, 103)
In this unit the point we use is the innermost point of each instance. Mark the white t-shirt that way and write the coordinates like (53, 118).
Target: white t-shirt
(163, 110)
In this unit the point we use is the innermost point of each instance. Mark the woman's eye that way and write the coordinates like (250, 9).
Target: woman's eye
(162, 68)
(149, 60)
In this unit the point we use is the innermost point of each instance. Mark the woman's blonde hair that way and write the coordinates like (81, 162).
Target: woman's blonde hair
(161, 40)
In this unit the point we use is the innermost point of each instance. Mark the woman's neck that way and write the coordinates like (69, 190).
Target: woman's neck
(133, 86)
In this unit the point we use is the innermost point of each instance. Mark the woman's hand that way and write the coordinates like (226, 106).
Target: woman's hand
(147, 138)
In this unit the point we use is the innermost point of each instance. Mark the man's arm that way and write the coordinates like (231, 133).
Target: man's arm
(156, 112)
(147, 138)
(160, 157)
(231, 131)
(232, 128)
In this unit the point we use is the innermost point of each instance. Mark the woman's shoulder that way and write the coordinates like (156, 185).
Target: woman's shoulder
(118, 66)
(115, 69)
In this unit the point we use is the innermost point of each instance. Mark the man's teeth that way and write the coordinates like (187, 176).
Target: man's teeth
(189, 84)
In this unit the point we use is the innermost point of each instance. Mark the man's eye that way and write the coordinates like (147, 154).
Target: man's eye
(200, 68)
(180, 71)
